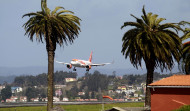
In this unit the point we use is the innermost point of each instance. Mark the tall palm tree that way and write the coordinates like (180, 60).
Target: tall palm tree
(59, 26)
(153, 42)
(185, 58)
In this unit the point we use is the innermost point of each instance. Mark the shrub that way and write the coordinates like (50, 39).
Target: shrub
(183, 108)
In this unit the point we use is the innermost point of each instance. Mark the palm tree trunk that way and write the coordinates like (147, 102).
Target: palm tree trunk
(50, 79)
(50, 47)
(150, 65)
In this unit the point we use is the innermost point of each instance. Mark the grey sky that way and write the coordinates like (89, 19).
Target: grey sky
(100, 29)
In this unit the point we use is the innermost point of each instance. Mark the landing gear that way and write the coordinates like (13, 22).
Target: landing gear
(74, 69)
(87, 70)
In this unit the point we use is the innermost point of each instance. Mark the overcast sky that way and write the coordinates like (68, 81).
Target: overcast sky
(100, 29)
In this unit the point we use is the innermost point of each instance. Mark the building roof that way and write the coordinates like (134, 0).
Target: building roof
(175, 80)
(14, 88)
(186, 43)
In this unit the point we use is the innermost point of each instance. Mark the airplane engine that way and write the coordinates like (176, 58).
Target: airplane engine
(88, 67)
(69, 66)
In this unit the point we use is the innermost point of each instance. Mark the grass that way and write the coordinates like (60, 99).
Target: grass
(87, 107)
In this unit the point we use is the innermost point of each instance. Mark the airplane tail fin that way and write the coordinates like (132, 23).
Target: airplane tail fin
(90, 58)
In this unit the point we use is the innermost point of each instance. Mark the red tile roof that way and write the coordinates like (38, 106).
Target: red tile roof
(186, 43)
(175, 80)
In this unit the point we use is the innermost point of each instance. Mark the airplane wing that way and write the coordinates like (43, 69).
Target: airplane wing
(102, 64)
(62, 62)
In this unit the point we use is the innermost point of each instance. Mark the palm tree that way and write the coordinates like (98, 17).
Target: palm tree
(185, 59)
(153, 42)
(53, 27)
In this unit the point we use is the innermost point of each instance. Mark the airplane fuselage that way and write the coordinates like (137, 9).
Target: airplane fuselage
(80, 63)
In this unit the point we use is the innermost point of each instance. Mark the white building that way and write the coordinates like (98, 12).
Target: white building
(56, 99)
(16, 90)
(35, 99)
(23, 99)
(70, 79)
(136, 95)
(65, 99)
(59, 86)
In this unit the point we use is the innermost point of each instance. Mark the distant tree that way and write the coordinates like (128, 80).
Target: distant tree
(99, 96)
(43, 95)
(72, 93)
(56, 27)
(97, 80)
(60, 76)
(86, 96)
(123, 94)
(6, 93)
(31, 92)
(41, 79)
(157, 44)
(114, 73)
(20, 81)
(93, 95)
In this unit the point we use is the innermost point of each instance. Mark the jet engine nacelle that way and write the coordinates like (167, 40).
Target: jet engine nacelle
(69, 66)
(88, 67)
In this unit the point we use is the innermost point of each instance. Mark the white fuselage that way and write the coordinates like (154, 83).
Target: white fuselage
(80, 63)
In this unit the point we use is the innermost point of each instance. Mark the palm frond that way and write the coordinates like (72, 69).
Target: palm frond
(151, 41)
(62, 26)
(56, 9)
(130, 24)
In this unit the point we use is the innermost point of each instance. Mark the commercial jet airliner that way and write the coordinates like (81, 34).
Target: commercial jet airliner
(82, 63)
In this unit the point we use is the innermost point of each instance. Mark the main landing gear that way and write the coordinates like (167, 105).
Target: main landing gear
(74, 69)
(87, 70)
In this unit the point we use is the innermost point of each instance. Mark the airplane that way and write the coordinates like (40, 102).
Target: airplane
(82, 63)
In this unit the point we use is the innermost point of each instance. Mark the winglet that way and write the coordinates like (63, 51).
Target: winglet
(113, 62)
(90, 58)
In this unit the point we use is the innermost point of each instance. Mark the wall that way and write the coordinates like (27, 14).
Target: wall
(167, 99)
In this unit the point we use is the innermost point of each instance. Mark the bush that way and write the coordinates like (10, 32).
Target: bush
(183, 108)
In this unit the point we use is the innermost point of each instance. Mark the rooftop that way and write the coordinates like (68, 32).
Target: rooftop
(175, 80)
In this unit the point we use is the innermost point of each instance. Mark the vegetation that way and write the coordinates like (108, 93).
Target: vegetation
(6, 92)
(153, 42)
(57, 27)
(87, 107)
(96, 83)
(185, 59)
(149, 40)
(41, 79)
(183, 108)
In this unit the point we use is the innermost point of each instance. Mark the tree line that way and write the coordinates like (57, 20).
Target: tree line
(96, 83)
(41, 79)
(93, 80)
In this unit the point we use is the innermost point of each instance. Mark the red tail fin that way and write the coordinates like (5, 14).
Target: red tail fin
(90, 58)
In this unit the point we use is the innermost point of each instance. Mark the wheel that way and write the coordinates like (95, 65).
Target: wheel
(74, 69)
